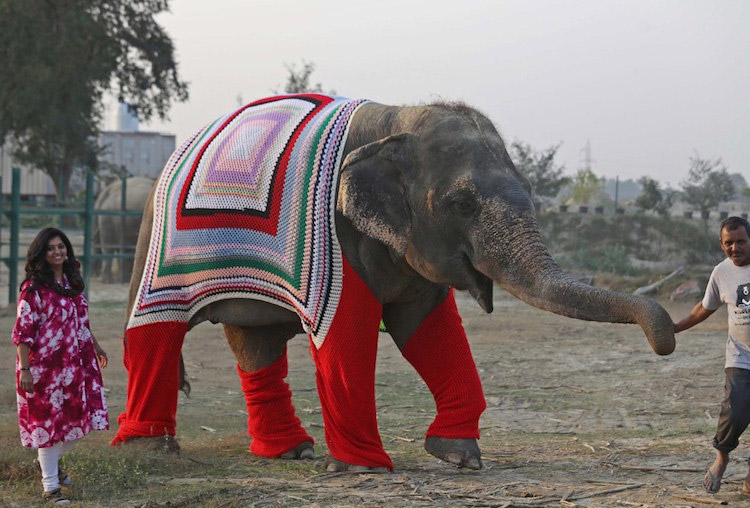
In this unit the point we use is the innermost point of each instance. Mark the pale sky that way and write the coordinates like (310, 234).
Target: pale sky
(649, 83)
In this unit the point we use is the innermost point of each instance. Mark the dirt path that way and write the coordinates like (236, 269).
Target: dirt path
(579, 414)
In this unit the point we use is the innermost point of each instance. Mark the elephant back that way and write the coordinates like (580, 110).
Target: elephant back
(245, 209)
(137, 189)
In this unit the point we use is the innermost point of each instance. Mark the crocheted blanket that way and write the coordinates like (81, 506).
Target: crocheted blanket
(245, 209)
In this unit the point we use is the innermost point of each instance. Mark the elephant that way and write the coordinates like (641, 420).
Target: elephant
(110, 230)
(427, 201)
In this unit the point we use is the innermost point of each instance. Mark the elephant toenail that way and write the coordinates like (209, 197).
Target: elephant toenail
(473, 463)
(453, 458)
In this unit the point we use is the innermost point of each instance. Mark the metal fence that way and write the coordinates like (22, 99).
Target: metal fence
(601, 210)
(14, 211)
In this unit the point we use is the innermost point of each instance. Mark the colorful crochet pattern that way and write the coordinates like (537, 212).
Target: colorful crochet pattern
(245, 209)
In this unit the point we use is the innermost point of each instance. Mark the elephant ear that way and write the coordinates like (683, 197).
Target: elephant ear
(372, 193)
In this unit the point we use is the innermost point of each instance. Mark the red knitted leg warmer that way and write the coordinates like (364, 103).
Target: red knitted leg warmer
(440, 353)
(152, 359)
(346, 376)
(271, 421)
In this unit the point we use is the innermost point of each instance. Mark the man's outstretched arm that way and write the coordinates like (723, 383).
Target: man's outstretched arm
(697, 315)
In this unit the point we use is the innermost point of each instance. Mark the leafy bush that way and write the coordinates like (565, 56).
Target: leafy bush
(610, 243)
(39, 221)
(600, 259)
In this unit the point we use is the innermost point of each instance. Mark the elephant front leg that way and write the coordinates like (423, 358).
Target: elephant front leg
(152, 359)
(346, 380)
(440, 353)
(275, 429)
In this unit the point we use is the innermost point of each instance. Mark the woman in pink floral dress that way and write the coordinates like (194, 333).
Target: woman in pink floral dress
(60, 393)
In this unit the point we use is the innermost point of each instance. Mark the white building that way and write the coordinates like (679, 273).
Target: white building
(34, 182)
(140, 153)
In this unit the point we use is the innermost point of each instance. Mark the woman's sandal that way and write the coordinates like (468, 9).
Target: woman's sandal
(63, 478)
(56, 497)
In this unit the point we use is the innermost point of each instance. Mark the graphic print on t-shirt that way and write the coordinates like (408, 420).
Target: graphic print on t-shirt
(743, 296)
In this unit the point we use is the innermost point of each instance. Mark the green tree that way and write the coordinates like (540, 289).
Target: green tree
(546, 178)
(653, 197)
(707, 184)
(59, 58)
(586, 186)
(650, 195)
(739, 183)
(298, 81)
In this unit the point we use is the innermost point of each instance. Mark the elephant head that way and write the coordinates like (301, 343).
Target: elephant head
(444, 195)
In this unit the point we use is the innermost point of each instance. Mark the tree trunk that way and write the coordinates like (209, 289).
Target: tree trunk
(61, 178)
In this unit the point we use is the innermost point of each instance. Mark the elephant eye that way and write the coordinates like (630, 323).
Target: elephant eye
(464, 207)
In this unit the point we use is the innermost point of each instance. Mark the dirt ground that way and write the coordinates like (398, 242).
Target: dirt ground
(579, 414)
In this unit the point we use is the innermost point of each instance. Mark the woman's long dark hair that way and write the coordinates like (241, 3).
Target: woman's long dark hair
(40, 273)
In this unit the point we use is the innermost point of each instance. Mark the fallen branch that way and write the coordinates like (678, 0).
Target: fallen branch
(661, 468)
(701, 500)
(306, 501)
(644, 290)
(406, 439)
(605, 492)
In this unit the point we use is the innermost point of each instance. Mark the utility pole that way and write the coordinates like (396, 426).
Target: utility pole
(587, 160)
(617, 189)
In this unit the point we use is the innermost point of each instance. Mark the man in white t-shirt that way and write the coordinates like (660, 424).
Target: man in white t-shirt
(730, 284)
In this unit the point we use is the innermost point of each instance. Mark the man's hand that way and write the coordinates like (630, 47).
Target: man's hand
(26, 381)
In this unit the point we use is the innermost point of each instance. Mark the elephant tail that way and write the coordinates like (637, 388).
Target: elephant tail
(184, 383)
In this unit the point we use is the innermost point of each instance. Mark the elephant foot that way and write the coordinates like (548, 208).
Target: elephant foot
(304, 450)
(336, 466)
(461, 452)
(165, 443)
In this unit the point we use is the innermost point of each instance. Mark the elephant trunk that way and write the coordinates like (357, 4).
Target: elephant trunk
(534, 277)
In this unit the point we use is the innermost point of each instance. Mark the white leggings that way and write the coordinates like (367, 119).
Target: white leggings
(48, 461)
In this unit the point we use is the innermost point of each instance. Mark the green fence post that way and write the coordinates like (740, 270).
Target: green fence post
(15, 227)
(123, 207)
(2, 210)
(88, 217)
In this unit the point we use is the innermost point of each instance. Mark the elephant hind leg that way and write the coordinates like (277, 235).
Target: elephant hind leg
(152, 357)
(184, 384)
(262, 366)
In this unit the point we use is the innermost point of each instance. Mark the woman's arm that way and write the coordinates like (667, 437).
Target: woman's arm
(697, 315)
(25, 380)
(101, 355)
